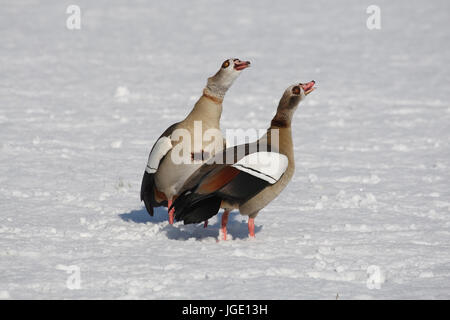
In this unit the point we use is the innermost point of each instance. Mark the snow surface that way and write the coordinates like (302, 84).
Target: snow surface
(366, 216)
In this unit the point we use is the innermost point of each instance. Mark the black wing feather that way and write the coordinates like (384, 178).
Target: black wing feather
(203, 210)
(147, 194)
(148, 181)
(192, 207)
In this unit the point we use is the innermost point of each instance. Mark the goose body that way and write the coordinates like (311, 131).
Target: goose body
(245, 177)
(181, 149)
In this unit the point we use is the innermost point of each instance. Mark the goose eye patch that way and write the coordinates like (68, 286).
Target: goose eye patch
(296, 90)
(225, 64)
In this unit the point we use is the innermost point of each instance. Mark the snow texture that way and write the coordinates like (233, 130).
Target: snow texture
(366, 216)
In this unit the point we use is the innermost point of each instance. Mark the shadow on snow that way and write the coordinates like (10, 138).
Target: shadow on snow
(237, 228)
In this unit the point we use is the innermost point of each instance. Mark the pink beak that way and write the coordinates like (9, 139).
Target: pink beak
(241, 65)
(308, 87)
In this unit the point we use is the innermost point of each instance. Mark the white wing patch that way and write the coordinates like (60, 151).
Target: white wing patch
(268, 166)
(162, 146)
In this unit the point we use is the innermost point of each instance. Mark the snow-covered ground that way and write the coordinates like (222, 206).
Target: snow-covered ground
(367, 214)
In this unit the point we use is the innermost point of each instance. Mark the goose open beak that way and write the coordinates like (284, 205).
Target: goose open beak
(241, 65)
(308, 87)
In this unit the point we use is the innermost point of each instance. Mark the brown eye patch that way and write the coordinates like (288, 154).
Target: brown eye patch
(225, 64)
(296, 90)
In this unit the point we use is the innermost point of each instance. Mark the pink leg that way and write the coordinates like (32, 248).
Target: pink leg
(251, 227)
(224, 223)
(205, 225)
(171, 212)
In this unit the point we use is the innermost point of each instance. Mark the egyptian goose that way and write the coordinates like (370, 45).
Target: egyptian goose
(167, 167)
(245, 177)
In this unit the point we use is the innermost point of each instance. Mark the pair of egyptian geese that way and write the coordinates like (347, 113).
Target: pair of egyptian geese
(245, 177)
